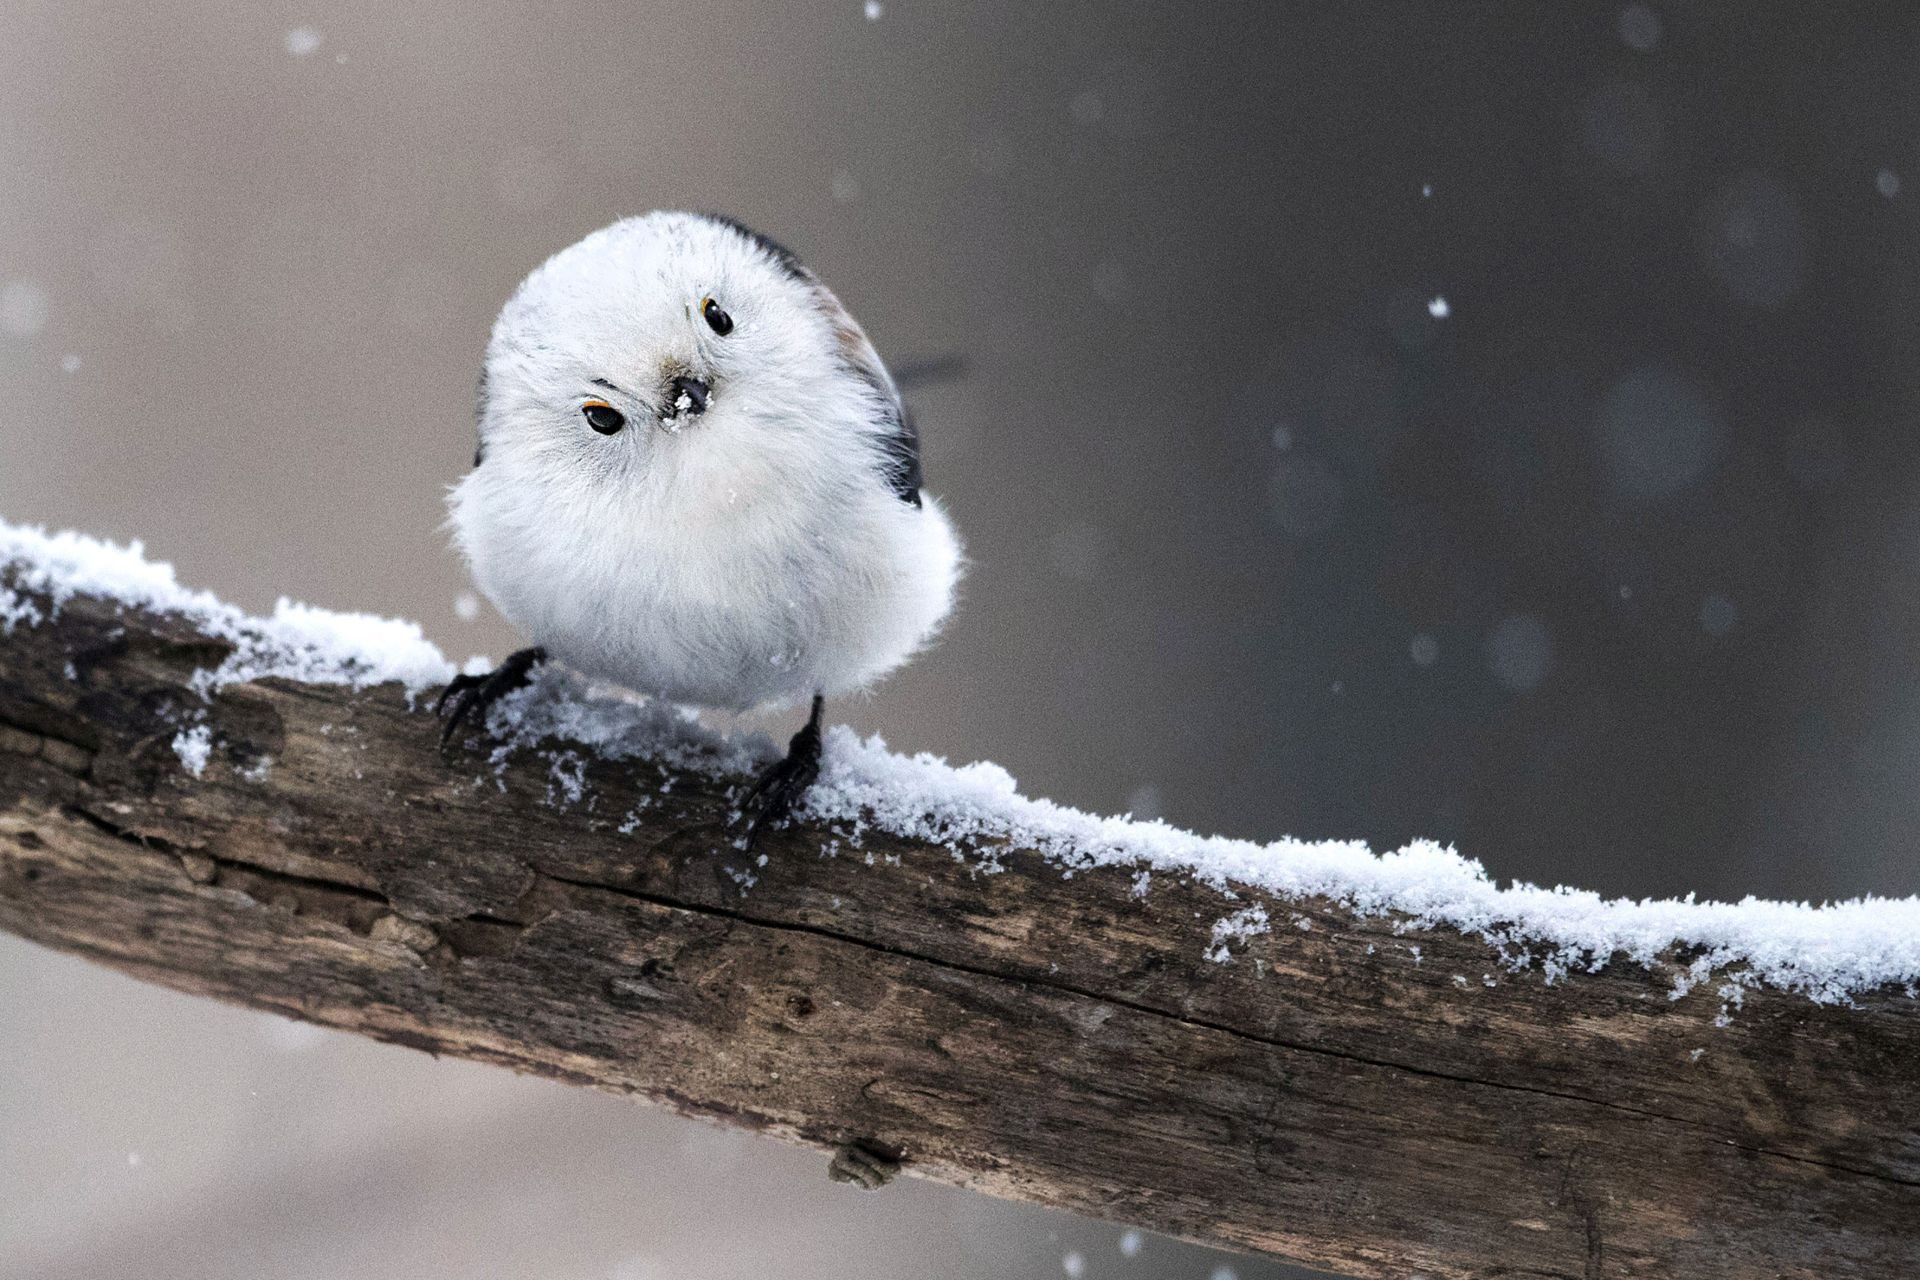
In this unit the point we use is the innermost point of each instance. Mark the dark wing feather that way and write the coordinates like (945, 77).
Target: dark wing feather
(900, 445)
(903, 448)
(480, 418)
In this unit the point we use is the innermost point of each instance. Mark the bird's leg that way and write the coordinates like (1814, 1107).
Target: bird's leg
(472, 694)
(787, 778)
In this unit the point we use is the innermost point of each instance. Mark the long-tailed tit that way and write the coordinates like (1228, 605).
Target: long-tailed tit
(696, 479)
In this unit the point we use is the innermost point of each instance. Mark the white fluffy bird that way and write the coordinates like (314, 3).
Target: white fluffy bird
(696, 479)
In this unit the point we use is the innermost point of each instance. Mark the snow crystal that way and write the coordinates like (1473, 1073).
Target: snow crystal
(302, 41)
(1074, 1263)
(1828, 952)
(1248, 922)
(194, 746)
(16, 609)
(1131, 1241)
(566, 780)
(874, 9)
(1439, 309)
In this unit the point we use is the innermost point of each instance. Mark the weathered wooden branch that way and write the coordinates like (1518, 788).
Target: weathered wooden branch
(1377, 1103)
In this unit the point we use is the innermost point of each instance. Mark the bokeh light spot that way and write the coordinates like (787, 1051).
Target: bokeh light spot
(1520, 652)
(23, 308)
(1658, 433)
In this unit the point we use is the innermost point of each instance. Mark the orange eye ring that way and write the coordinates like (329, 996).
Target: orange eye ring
(603, 417)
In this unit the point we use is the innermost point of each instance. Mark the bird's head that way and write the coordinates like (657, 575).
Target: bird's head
(664, 329)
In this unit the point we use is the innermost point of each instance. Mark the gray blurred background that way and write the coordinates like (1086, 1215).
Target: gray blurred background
(1492, 422)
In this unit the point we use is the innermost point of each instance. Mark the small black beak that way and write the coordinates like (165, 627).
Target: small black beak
(689, 395)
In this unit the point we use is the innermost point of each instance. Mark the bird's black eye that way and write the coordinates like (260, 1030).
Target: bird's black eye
(603, 417)
(717, 320)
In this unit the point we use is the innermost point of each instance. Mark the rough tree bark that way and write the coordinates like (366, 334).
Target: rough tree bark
(1375, 1102)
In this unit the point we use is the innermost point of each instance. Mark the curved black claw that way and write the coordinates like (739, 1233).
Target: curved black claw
(787, 778)
(477, 693)
(859, 1164)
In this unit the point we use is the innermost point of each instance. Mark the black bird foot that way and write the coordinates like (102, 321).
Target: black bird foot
(865, 1168)
(787, 778)
(473, 694)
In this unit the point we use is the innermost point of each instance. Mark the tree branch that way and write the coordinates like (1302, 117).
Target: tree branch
(1343, 1091)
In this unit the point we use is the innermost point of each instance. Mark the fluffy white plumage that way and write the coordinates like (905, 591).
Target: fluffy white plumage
(750, 555)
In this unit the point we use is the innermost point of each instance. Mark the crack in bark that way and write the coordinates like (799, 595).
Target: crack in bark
(1051, 984)
(108, 827)
(362, 911)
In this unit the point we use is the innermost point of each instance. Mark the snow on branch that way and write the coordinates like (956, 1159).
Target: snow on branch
(1828, 952)
(1380, 1064)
